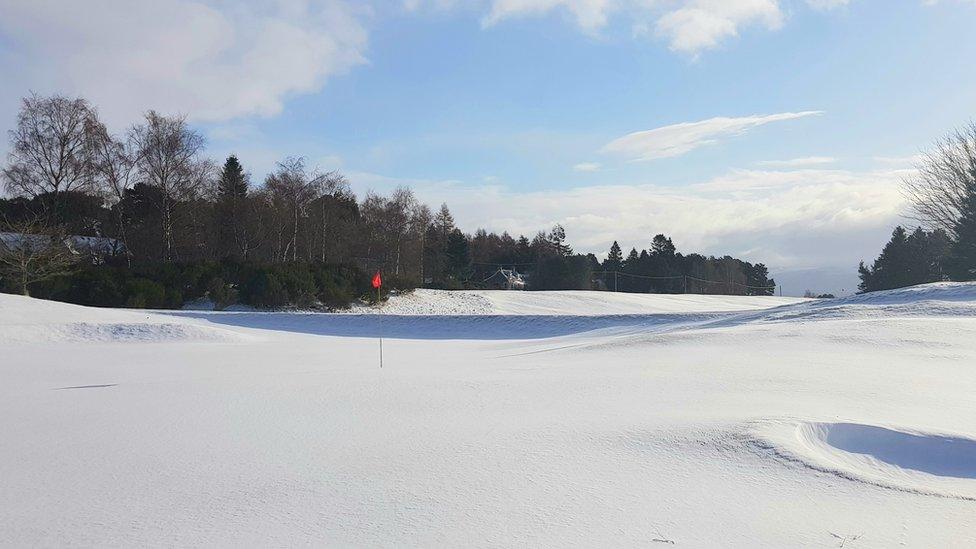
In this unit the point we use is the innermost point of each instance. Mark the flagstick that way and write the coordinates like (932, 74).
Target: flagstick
(378, 304)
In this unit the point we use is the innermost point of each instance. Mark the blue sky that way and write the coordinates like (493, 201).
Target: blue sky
(776, 130)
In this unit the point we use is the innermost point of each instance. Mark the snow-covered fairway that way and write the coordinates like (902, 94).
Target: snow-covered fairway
(508, 419)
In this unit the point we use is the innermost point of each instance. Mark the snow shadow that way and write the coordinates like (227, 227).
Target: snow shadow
(465, 327)
(937, 455)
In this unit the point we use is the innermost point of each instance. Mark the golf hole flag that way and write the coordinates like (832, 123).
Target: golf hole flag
(377, 282)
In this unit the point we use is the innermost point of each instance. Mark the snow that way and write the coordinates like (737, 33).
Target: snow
(26, 320)
(915, 460)
(574, 419)
(573, 303)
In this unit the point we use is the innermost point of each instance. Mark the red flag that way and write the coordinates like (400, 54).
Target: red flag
(377, 280)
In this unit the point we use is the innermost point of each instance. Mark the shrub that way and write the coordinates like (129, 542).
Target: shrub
(265, 291)
(222, 294)
(143, 293)
(158, 285)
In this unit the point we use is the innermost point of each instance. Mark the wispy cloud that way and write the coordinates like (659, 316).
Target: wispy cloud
(798, 162)
(590, 15)
(587, 167)
(827, 4)
(688, 26)
(678, 139)
(906, 161)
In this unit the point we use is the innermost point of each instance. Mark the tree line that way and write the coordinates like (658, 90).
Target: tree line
(189, 228)
(942, 192)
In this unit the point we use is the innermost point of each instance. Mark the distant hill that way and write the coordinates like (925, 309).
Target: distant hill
(829, 280)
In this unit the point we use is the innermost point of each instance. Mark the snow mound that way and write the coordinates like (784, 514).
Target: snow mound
(26, 320)
(936, 291)
(88, 332)
(895, 457)
(940, 299)
(564, 303)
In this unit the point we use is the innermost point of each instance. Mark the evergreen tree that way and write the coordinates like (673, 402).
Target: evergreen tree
(632, 259)
(444, 222)
(906, 260)
(557, 238)
(615, 259)
(230, 217)
(757, 278)
(233, 181)
(458, 255)
(962, 255)
(662, 245)
(523, 249)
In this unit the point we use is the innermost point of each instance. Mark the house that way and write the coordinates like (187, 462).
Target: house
(94, 248)
(505, 279)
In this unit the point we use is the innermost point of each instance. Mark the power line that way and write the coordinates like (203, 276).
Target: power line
(686, 278)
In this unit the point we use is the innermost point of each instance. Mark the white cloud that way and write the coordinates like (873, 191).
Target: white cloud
(798, 162)
(678, 139)
(689, 26)
(702, 24)
(590, 15)
(587, 167)
(798, 219)
(906, 161)
(827, 4)
(212, 60)
(935, 2)
(415, 5)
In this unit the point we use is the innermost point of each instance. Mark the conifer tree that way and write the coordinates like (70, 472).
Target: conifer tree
(557, 238)
(233, 181)
(906, 260)
(231, 223)
(632, 259)
(962, 255)
(458, 255)
(615, 259)
(662, 245)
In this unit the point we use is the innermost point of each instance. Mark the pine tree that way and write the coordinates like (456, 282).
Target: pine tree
(888, 270)
(662, 245)
(615, 259)
(557, 238)
(458, 255)
(906, 260)
(230, 215)
(962, 255)
(632, 259)
(233, 181)
(444, 222)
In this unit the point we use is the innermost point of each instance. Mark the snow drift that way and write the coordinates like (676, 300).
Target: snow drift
(26, 320)
(914, 460)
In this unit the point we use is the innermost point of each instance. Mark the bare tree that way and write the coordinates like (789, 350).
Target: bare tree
(291, 189)
(388, 224)
(113, 167)
(943, 177)
(48, 147)
(335, 193)
(168, 159)
(420, 220)
(31, 251)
